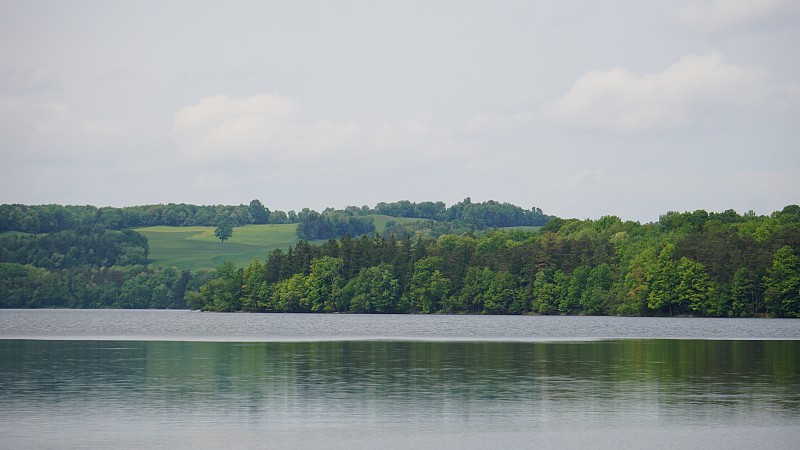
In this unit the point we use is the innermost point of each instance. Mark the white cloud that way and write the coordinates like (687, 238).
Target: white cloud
(695, 89)
(105, 129)
(257, 128)
(24, 122)
(271, 128)
(583, 177)
(713, 16)
(486, 122)
(580, 181)
(219, 110)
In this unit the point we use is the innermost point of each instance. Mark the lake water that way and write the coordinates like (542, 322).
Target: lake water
(179, 379)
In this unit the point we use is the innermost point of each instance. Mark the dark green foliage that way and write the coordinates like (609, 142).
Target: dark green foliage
(373, 290)
(429, 287)
(705, 264)
(426, 228)
(223, 231)
(51, 218)
(258, 212)
(325, 284)
(223, 292)
(693, 263)
(459, 218)
(87, 267)
(782, 284)
(94, 246)
(332, 224)
(475, 216)
(26, 286)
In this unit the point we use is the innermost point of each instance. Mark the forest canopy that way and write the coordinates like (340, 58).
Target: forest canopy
(466, 258)
(312, 225)
(692, 263)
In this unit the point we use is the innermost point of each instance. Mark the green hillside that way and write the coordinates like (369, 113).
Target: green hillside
(196, 247)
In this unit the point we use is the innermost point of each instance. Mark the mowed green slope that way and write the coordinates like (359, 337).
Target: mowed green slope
(197, 247)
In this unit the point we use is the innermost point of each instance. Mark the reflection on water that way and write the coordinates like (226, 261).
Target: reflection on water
(350, 394)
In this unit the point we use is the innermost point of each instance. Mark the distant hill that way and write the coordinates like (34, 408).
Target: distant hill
(191, 248)
(310, 224)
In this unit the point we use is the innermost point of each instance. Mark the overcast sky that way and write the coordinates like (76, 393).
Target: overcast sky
(582, 108)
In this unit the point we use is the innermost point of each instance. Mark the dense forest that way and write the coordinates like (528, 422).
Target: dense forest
(693, 263)
(51, 218)
(466, 261)
(88, 267)
(89, 257)
(311, 225)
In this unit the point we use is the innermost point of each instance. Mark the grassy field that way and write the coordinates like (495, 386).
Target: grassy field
(380, 221)
(196, 247)
(522, 228)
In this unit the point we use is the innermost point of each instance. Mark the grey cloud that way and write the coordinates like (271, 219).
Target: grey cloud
(120, 75)
(150, 101)
(16, 80)
(716, 16)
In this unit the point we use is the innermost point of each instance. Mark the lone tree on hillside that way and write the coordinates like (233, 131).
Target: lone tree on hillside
(224, 231)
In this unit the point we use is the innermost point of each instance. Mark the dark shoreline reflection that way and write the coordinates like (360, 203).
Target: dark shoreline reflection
(196, 370)
(460, 386)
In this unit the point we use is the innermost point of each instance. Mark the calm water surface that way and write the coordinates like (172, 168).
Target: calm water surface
(149, 325)
(176, 379)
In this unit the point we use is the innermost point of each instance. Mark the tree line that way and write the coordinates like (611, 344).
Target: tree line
(88, 257)
(88, 267)
(312, 225)
(92, 245)
(333, 224)
(478, 216)
(52, 218)
(437, 219)
(693, 263)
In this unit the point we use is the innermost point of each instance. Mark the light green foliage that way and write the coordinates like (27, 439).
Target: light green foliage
(194, 300)
(140, 292)
(503, 297)
(636, 293)
(291, 295)
(545, 293)
(782, 284)
(20, 286)
(694, 287)
(598, 295)
(429, 286)
(664, 282)
(223, 292)
(571, 302)
(325, 284)
(373, 290)
(255, 291)
(476, 285)
(677, 287)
